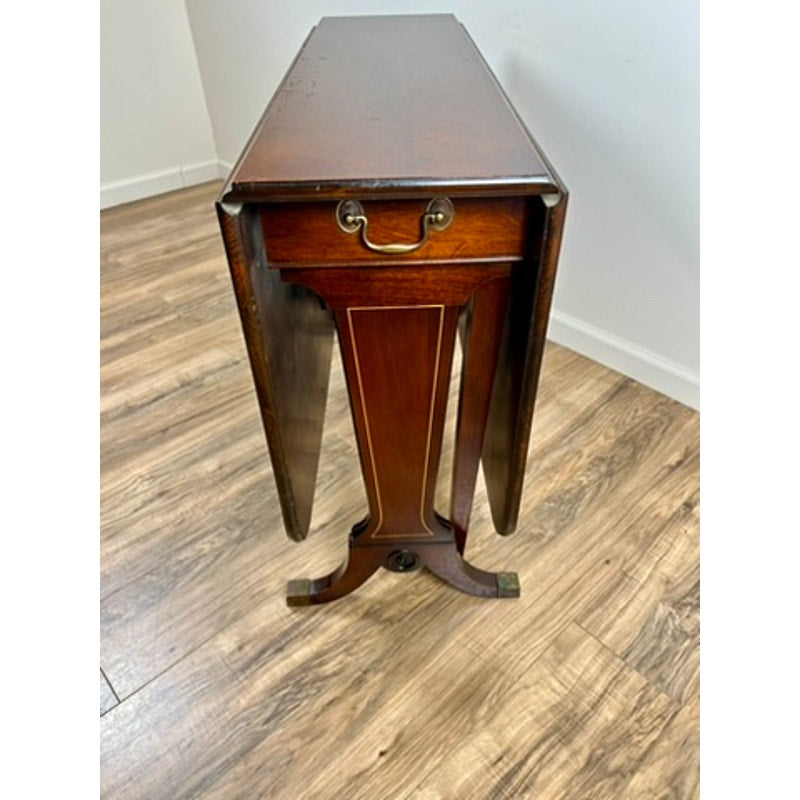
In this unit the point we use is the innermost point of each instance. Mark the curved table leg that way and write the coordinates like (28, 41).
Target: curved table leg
(448, 564)
(349, 575)
(360, 564)
(441, 558)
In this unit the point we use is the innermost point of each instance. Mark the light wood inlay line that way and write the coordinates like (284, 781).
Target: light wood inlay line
(365, 414)
(379, 532)
(431, 408)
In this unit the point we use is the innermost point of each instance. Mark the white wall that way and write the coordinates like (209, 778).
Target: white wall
(155, 132)
(609, 89)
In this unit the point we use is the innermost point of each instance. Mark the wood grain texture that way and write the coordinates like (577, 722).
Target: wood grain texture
(481, 331)
(401, 499)
(107, 697)
(660, 774)
(575, 725)
(507, 437)
(404, 689)
(289, 339)
(332, 121)
(489, 229)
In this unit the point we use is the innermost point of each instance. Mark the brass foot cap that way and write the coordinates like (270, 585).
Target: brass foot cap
(507, 584)
(298, 592)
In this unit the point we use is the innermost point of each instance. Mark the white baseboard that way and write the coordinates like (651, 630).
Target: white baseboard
(636, 362)
(225, 168)
(200, 173)
(138, 187)
(623, 356)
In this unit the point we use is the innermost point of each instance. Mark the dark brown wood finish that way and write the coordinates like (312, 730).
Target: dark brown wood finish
(483, 229)
(481, 333)
(399, 403)
(508, 430)
(289, 340)
(394, 112)
(397, 286)
(387, 104)
(397, 332)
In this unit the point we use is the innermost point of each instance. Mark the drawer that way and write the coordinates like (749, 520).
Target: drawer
(310, 234)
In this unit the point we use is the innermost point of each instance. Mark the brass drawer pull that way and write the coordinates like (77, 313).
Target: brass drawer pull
(351, 218)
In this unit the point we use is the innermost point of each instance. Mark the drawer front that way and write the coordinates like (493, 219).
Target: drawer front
(309, 234)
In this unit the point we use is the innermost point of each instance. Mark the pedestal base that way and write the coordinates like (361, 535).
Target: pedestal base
(441, 558)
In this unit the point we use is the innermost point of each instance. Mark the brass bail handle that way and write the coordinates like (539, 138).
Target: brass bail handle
(351, 218)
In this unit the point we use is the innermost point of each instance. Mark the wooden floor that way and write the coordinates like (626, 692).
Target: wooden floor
(586, 687)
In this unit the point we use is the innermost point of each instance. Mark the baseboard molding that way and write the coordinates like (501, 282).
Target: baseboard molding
(623, 356)
(150, 184)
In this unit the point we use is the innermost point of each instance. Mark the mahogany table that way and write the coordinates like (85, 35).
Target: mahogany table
(390, 193)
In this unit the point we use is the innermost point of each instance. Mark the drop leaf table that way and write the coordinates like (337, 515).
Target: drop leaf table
(390, 197)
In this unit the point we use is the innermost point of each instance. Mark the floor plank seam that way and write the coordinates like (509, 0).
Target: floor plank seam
(509, 670)
(625, 664)
(134, 577)
(170, 666)
(110, 685)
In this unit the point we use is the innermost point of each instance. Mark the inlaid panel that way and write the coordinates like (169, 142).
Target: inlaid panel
(398, 365)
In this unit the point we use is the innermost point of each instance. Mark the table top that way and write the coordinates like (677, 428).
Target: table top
(392, 105)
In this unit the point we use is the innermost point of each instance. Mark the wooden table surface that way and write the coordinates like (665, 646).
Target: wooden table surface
(387, 103)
